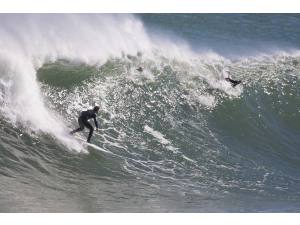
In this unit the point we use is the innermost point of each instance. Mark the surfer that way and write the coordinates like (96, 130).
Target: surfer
(140, 69)
(83, 121)
(227, 78)
(233, 82)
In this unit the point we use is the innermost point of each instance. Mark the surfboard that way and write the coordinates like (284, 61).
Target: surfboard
(93, 145)
(98, 148)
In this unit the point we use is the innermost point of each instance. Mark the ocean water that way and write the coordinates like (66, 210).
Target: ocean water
(177, 136)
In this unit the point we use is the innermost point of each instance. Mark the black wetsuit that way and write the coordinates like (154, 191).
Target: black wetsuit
(233, 82)
(83, 122)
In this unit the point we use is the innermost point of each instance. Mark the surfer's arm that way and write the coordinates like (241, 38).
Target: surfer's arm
(96, 122)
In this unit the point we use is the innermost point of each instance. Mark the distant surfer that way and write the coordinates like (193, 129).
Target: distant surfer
(233, 82)
(227, 78)
(83, 121)
(140, 69)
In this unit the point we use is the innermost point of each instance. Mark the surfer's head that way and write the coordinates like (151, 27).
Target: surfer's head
(96, 109)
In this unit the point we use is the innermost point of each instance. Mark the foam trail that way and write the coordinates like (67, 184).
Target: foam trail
(157, 135)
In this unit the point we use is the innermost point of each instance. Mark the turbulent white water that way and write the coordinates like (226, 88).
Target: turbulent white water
(28, 41)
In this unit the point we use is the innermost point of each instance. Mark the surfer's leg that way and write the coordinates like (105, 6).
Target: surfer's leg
(81, 126)
(91, 128)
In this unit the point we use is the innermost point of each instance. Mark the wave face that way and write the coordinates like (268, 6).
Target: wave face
(180, 138)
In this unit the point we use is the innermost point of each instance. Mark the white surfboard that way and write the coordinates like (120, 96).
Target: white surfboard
(93, 145)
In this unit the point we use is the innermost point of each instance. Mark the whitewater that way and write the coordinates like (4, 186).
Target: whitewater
(175, 137)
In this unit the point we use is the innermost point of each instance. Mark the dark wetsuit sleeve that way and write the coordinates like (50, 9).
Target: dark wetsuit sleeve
(95, 120)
